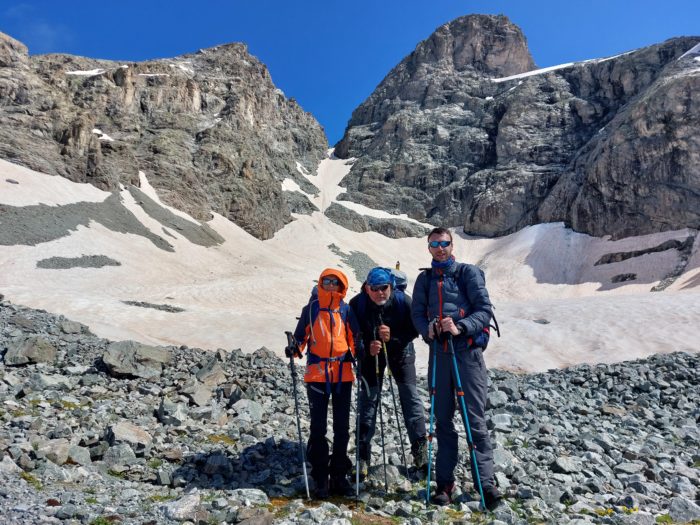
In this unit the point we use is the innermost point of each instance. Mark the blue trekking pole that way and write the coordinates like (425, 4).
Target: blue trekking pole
(432, 417)
(465, 419)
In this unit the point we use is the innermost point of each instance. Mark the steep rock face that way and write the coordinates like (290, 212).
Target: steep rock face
(209, 129)
(459, 142)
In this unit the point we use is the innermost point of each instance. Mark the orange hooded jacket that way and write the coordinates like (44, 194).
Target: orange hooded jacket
(330, 340)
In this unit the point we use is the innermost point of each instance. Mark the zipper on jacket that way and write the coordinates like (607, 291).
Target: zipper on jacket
(439, 287)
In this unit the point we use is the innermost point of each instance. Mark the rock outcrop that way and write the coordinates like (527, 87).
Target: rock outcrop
(456, 135)
(210, 130)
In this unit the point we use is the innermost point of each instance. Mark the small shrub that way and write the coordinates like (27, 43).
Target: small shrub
(222, 438)
(154, 463)
(26, 476)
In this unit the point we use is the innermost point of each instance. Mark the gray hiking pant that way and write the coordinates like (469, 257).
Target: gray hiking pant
(472, 372)
(410, 402)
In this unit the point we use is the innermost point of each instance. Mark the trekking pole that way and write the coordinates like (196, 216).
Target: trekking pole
(358, 373)
(393, 398)
(381, 420)
(465, 419)
(433, 350)
(294, 349)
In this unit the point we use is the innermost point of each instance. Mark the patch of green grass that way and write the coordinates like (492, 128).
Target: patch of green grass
(221, 438)
(517, 506)
(696, 464)
(91, 500)
(360, 518)
(604, 512)
(101, 520)
(114, 473)
(154, 463)
(26, 476)
(664, 518)
(161, 497)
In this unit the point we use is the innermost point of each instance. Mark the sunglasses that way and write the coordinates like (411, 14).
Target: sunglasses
(441, 244)
(330, 281)
(380, 288)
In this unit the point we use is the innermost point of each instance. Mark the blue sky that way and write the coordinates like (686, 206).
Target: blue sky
(330, 55)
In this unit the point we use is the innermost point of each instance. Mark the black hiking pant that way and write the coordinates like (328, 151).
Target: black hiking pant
(317, 453)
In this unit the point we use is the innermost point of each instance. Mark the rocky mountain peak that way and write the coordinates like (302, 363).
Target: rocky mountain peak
(209, 129)
(490, 44)
(463, 132)
(11, 51)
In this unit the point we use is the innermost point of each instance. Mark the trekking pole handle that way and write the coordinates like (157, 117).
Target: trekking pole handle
(292, 349)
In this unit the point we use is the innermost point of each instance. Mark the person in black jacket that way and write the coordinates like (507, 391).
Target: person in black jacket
(451, 308)
(384, 317)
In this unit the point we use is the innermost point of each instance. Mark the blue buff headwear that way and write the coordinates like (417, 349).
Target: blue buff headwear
(443, 265)
(379, 276)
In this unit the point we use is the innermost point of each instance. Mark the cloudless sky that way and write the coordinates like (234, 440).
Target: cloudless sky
(330, 55)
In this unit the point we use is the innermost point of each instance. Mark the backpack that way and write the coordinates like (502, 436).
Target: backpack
(482, 339)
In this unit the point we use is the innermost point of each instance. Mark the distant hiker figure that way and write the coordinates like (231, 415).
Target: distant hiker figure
(384, 315)
(327, 328)
(451, 310)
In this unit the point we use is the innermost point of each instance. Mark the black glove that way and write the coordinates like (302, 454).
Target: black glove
(292, 351)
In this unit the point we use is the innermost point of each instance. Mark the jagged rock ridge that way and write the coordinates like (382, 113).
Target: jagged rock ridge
(210, 130)
(608, 146)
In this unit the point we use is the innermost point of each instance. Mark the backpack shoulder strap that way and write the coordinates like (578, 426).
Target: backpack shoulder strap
(461, 268)
(400, 299)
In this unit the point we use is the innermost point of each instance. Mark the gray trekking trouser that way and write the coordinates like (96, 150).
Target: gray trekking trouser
(472, 372)
(411, 407)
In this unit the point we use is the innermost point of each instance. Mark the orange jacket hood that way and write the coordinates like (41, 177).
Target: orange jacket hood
(332, 299)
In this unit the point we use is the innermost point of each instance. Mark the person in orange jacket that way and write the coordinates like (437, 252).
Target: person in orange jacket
(328, 329)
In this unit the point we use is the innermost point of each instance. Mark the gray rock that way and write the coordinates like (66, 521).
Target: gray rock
(56, 450)
(249, 496)
(79, 455)
(9, 467)
(183, 509)
(71, 327)
(393, 228)
(32, 349)
(249, 410)
(119, 455)
(197, 393)
(125, 432)
(683, 510)
(211, 374)
(170, 413)
(132, 359)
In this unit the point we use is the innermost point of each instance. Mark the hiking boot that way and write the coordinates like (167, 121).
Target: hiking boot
(340, 486)
(420, 453)
(492, 498)
(443, 494)
(321, 491)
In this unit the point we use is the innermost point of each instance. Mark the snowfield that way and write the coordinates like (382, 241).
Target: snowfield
(555, 306)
